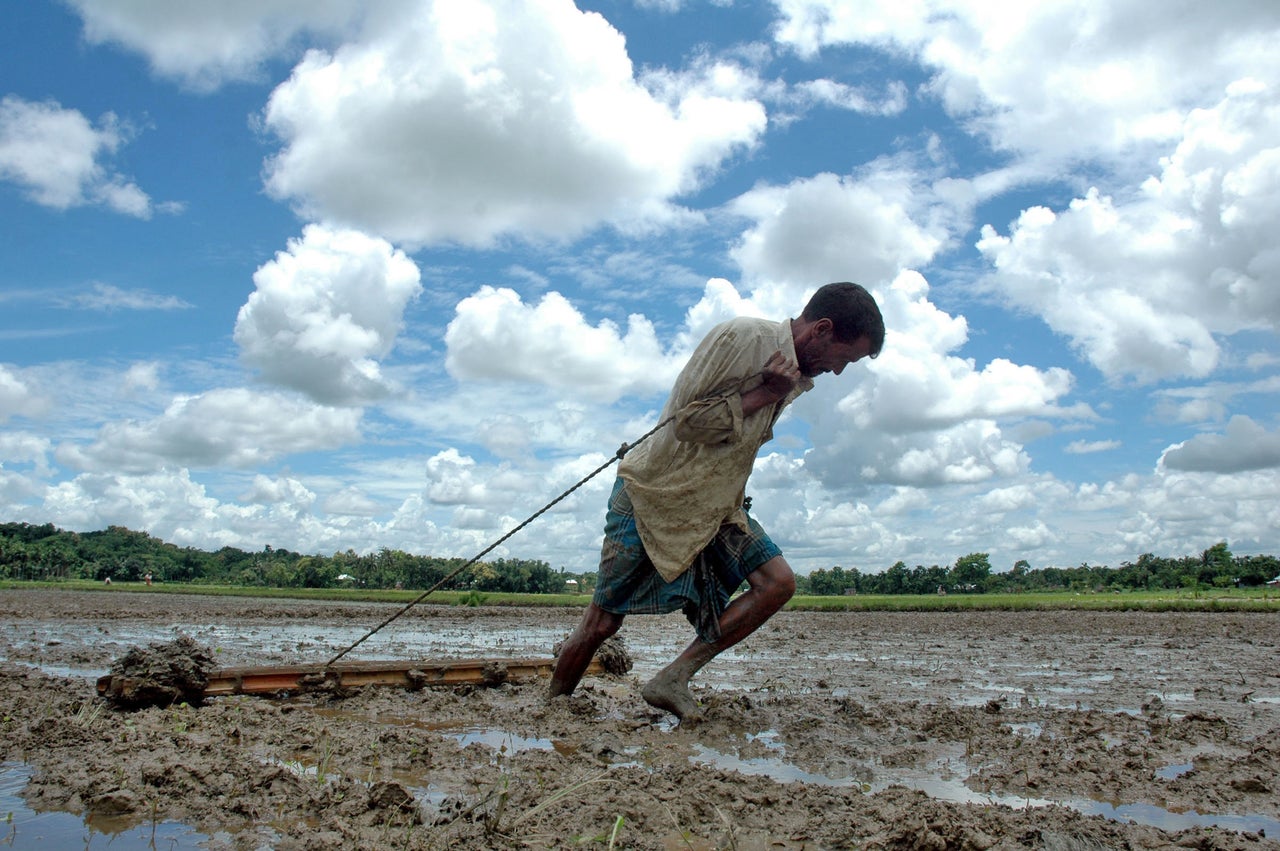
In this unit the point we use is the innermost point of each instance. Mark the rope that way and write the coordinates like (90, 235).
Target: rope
(622, 450)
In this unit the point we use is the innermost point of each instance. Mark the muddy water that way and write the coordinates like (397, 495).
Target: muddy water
(986, 726)
(26, 830)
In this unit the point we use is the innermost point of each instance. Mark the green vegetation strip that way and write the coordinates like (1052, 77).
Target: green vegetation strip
(1242, 600)
(354, 595)
(43, 553)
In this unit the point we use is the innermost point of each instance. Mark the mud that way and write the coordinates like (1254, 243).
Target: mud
(894, 731)
(161, 674)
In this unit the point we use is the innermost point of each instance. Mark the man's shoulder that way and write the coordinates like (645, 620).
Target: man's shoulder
(750, 325)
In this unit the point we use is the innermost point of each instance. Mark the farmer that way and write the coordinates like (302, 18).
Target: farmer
(677, 533)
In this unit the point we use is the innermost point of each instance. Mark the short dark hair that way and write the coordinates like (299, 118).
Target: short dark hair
(853, 313)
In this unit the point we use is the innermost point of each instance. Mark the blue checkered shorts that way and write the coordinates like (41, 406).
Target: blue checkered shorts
(629, 584)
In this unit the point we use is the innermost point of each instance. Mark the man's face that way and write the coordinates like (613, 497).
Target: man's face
(822, 352)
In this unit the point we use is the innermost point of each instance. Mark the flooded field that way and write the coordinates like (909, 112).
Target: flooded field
(824, 730)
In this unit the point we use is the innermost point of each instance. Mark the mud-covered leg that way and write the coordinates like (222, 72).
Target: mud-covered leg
(575, 655)
(770, 587)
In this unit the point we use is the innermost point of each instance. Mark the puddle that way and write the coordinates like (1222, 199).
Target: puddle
(988, 692)
(1173, 772)
(299, 642)
(25, 829)
(773, 767)
(408, 642)
(944, 780)
(307, 767)
(1154, 816)
(1110, 741)
(431, 796)
(56, 670)
(502, 742)
(1028, 729)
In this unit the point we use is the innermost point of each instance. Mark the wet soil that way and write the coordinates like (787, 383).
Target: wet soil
(1057, 730)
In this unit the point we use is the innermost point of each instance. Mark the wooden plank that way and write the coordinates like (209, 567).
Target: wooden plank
(410, 674)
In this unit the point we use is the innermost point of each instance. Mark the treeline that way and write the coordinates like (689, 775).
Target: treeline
(1216, 567)
(35, 552)
(45, 552)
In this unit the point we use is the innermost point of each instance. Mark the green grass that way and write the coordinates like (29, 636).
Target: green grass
(1262, 599)
(379, 595)
(1235, 600)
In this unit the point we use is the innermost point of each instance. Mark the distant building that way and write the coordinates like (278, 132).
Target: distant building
(571, 586)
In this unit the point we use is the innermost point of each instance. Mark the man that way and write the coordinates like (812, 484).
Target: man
(677, 533)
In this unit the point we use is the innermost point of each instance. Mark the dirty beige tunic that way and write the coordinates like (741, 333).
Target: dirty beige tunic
(690, 478)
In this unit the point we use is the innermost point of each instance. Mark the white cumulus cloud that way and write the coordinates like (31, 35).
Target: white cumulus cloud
(58, 156)
(207, 44)
(496, 336)
(325, 311)
(467, 122)
(16, 396)
(920, 415)
(1244, 446)
(1060, 78)
(1142, 286)
(830, 228)
(235, 427)
(1176, 117)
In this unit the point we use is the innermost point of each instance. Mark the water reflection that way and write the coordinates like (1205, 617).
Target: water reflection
(1173, 822)
(944, 780)
(26, 829)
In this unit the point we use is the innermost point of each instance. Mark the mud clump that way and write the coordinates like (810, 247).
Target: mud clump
(160, 674)
(614, 656)
(389, 795)
(493, 674)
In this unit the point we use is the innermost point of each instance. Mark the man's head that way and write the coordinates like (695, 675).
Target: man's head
(840, 325)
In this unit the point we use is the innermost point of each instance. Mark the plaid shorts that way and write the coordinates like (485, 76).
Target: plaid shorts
(630, 584)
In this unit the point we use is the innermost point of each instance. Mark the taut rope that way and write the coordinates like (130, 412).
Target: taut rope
(622, 450)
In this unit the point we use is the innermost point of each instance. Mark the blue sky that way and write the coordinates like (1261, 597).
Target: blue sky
(331, 275)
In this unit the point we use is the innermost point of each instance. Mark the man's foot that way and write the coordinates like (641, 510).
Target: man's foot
(667, 692)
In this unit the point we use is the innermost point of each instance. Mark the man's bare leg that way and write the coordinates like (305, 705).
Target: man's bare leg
(579, 648)
(771, 586)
